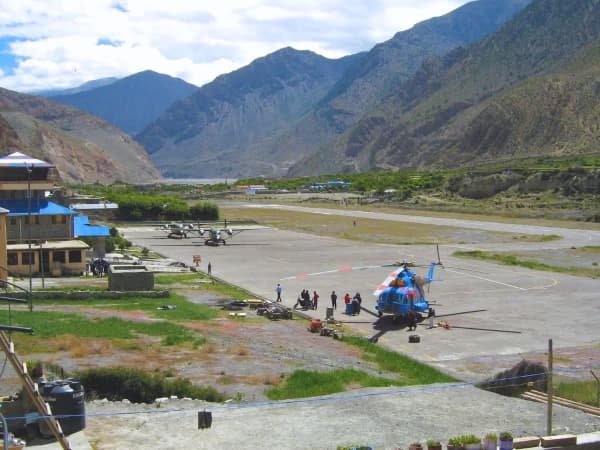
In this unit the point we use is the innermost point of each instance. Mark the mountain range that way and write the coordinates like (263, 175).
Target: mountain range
(266, 117)
(529, 89)
(492, 80)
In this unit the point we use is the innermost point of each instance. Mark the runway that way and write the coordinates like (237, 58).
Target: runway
(523, 307)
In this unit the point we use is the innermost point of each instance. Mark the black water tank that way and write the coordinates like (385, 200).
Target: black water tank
(65, 397)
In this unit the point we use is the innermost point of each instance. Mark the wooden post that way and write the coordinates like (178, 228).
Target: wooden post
(597, 388)
(550, 389)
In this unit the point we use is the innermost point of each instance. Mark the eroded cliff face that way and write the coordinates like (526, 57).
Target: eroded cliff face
(83, 148)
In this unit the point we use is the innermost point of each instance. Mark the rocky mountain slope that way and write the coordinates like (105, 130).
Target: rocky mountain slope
(389, 64)
(84, 149)
(528, 89)
(215, 130)
(269, 120)
(131, 103)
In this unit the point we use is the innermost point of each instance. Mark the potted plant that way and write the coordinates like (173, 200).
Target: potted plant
(415, 446)
(454, 443)
(490, 441)
(506, 440)
(471, 442)
(433, 445)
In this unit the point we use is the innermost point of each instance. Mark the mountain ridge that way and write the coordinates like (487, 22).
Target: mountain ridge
(132, 102)
(433, 127)
(198, 136)
(84, 148)
(217, 124)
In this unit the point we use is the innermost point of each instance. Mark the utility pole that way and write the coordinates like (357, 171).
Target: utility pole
(29, 170)
(550, 388)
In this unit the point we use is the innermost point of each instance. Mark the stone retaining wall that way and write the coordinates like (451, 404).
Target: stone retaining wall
(78, 295)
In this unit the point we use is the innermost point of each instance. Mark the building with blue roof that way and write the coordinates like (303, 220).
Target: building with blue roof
(42, 237)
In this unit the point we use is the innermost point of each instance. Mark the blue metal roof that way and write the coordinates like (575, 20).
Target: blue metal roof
(38, 207)
(84, 229)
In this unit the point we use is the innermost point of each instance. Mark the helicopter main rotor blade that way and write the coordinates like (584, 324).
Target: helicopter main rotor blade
(339, 270)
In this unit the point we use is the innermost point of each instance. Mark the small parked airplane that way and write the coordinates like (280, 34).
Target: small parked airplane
(177, 230)
(216, 236)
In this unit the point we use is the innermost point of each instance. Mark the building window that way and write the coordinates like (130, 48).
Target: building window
(59, 220)
(12, 258)
(75, 256)
(25, 258)
(35, 220)
(59, 256)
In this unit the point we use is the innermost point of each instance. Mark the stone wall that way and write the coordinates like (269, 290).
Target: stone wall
(130, 278)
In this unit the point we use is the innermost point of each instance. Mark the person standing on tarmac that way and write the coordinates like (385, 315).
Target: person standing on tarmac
(278, 289)
(412, 320)
(315, 300)
(333, 300)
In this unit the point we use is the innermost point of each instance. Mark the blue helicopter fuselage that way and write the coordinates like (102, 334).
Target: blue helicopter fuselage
(403, 294)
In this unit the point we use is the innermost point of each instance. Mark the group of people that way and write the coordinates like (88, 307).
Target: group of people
(353, 304)
(305, 301)
(98, 267)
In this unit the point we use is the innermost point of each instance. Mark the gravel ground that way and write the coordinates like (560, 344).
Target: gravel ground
(381, 418)
(253, 351)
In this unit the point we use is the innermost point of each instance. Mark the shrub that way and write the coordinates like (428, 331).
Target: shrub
(204, 211)
(470, 439)
(139, 386)
(506, 436)
(513, 382)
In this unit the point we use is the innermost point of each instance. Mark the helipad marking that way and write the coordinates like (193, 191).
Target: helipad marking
(486, 279)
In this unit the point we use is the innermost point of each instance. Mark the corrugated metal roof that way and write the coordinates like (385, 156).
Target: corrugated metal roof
(57, 245)
(84, 229)
(85, 206)
(38, 207)
(18, 159)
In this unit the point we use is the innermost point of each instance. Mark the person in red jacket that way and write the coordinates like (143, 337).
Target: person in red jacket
(347, 302)
(315, 299)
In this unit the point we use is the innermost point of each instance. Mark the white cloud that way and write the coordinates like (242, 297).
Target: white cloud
(65, 43)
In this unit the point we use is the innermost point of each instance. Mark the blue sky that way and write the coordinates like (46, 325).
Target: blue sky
(64, 43)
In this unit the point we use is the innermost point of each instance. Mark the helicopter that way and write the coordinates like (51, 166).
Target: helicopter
(402, 291)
